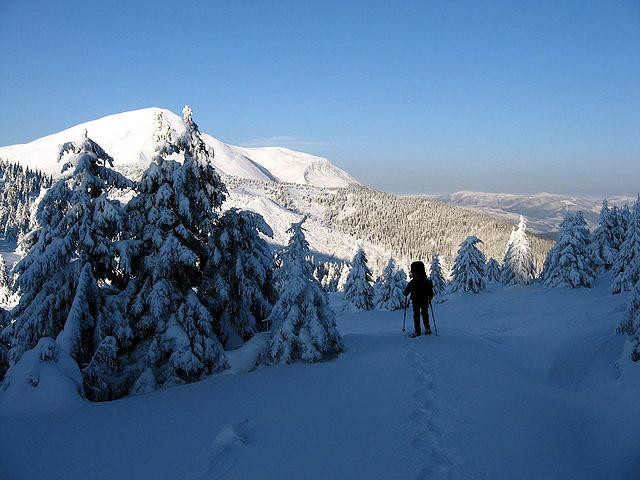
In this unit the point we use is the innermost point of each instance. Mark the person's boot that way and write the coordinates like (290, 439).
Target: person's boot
(414, 335)
(428, 330)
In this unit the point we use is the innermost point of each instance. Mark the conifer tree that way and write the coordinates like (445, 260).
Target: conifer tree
(331, 278)
(358, 291)
(618, 230)
(631, 324)
(604, 245)
(509, 242)
(99, 375)
(303, 324)
(494, 272)
(625, 219)
(163, 136)
(4, 344)
(319, 271)
(518, 266)
(343, 276)
(469, 267)
(238, 285)
(568, 263)
(71, 254)
(389, 289)
(5, 287)
(436, 276)
(626, 269)
(170, 224)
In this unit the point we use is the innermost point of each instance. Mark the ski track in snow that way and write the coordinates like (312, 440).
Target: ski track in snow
(437, 461)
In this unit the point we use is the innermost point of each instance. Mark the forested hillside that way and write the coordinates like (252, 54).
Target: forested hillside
(415, 227)
(19, 187)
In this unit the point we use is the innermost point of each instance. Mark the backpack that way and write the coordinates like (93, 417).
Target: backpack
(422, 287)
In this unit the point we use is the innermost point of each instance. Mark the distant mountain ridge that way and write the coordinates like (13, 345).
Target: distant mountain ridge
(544, 211)
(128, 137)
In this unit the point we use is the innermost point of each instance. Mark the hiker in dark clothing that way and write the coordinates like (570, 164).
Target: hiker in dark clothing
(421, 290)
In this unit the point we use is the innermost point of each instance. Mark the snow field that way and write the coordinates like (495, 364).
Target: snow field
(523, 382)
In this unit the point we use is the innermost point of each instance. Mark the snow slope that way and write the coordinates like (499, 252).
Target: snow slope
(296, 167)
(128, 138)
(324, 240)
(522, 383)
(544, 211)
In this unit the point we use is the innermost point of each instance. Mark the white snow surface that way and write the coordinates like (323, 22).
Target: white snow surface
(296, 167)
(128, 138)
(523, 382)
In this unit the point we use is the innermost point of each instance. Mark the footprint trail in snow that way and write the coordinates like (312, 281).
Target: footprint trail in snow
(437, 460)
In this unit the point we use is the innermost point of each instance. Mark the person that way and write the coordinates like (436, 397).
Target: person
(421, 290)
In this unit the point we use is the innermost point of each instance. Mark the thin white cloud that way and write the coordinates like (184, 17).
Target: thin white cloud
(287, 141)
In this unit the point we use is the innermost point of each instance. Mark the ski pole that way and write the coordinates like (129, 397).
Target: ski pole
(404, 318)
(433, 317)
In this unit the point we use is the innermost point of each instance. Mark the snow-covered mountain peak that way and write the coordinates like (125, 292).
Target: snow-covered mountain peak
(297, 167)
(128, 138)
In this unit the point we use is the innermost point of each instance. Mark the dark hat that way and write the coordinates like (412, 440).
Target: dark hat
(417, 269)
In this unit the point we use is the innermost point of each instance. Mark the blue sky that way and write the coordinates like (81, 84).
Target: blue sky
(407, 96)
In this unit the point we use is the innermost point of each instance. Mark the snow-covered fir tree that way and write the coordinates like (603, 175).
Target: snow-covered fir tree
(71, 254)
(604, 245)
(631, 324)
(568, 263)
(493, 271)
(388, 291)
(619, 228)
(358, 289)
(170, 224)
(5, 287)
(303, 325)
(624, 219)
(320, 269)
(510, 241)
(343, 277)
(518, 267)
(19, 220)
(468, 270)
(4, 344)
(331, 277)
(163, 136)
(238, 285)
(5, 294)
(626, 268)
(99, 373)
(436, 276)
